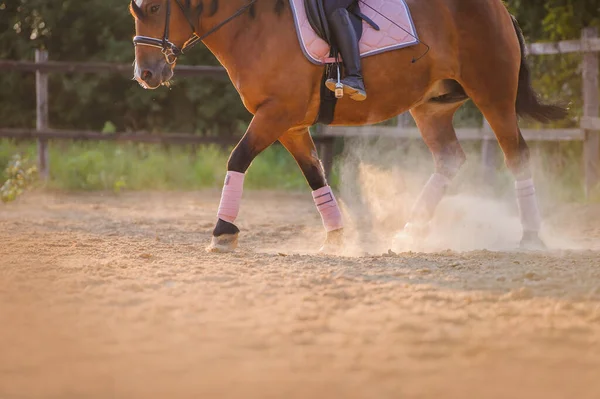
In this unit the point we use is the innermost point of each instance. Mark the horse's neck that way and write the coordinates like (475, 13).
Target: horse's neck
(246, 39)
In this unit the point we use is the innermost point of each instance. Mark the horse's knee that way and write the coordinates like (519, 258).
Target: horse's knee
(241, 157)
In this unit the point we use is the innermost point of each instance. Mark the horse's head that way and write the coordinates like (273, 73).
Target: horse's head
(163, 28)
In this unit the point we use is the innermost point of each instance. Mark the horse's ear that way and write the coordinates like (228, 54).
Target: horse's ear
(214, 7)
(135, 9)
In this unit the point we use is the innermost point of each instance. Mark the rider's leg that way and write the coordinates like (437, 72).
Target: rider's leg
(347, 43)
(332, 5)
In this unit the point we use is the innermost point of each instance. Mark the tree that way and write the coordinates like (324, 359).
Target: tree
(101, 30)
(557, 76)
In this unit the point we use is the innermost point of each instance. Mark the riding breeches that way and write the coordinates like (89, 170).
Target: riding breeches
(332, 5)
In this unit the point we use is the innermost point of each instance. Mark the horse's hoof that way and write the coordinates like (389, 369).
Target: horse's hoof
(223, 243)
(333, 243)
(531, 241)
(410, 238)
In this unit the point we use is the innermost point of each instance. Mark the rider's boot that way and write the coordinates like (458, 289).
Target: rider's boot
(347, 43)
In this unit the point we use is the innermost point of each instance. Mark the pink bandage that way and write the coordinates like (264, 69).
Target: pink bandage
(328, 208)
(529, 211)
(231, 196)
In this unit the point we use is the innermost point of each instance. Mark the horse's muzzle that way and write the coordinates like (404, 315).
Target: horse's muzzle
(151, 76)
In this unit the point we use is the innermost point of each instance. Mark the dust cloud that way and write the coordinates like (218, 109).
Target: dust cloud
(380, 179)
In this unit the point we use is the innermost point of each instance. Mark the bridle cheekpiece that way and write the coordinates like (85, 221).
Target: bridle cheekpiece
(169, 49)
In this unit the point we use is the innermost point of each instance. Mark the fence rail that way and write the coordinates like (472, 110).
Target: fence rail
(463, 134)
(43, 133)
(588, 133)
(136, 137)
(586, 44)
(212, 72)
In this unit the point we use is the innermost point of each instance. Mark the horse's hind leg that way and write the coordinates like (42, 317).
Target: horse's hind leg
(434, 120)
(494, 74)
(300, 144)
(495, 97)
(504, 123)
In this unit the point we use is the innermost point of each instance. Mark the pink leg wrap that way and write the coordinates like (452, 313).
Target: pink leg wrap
(430, 197)
(528, 206)
(328, 208)
(231, 196)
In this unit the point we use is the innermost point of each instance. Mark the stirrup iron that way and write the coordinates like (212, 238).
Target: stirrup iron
(339, 87)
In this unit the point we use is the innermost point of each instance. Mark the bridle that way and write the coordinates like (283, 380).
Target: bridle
(169, 49)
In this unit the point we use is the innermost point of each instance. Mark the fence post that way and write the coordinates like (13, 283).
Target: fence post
(489, 155)
(41, 87)
(591, 107)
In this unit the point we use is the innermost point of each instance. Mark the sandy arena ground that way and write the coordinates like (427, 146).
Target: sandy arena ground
(105, 296)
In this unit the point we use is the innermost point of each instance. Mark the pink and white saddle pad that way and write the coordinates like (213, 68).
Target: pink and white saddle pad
(387, 14)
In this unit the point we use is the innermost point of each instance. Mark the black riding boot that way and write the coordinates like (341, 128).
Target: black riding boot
(347, 43)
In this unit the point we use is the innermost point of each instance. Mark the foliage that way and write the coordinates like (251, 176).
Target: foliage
(554, 20)
(20, 175)
(116, 167)
(101, 30)
(557, 77)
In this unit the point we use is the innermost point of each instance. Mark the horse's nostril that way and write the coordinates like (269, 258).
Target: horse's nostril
(146, 75)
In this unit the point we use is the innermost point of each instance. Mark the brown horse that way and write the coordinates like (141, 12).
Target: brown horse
(477, 52)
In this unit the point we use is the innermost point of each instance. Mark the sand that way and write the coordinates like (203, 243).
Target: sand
(105, 296)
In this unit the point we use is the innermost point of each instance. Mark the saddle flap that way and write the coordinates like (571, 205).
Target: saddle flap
(387, 26)
(315, 13)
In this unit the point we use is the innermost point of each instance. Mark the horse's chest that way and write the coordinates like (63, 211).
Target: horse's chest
(250, 92)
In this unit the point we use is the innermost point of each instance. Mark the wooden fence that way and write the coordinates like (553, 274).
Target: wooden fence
(42, 67)
(43, 133)
(589, 131)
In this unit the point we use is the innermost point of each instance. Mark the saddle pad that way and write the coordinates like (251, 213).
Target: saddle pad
(385, 13)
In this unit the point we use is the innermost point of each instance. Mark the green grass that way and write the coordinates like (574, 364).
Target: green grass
(110, 166)
(115, 167)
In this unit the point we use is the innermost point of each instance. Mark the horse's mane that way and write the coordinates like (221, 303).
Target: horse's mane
(279, 5)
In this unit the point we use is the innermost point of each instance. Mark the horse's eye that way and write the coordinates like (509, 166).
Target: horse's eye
(154, 9)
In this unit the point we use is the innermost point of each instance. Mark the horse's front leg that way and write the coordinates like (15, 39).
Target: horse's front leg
(268, 124)
(435, 123)
(300, 144)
